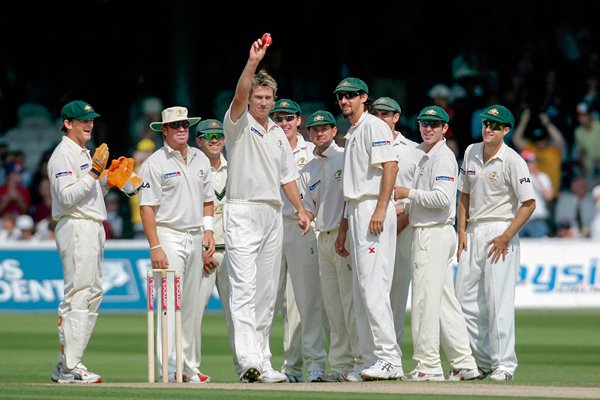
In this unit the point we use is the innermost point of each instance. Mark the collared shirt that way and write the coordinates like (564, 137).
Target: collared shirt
(303, 153)
(433, 199)
(497, 188)
(322, 186)
(259, 161)
(179, 190)
(368, 145)
(408, 159)
(75, 194)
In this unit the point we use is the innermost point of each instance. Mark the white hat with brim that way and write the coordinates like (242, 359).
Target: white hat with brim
(174, 114)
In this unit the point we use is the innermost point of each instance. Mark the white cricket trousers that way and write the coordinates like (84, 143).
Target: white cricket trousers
(300, 261)
(486, 293)
(401, 281)
(373, 266)
(253, 235)
(219, 278)
(336, 283)
(184, 252)
(436, 315)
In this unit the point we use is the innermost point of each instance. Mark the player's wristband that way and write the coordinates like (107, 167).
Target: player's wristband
(96, 173)
(155, 247)
(208, 223)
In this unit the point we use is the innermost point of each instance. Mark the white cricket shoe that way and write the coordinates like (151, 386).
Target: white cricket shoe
(79, 374)
(272, 376)
(416, 376)
(500, 375)
(382, 370)
(464, 374)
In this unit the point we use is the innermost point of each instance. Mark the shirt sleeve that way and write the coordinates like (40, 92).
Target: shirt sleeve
(443, 187)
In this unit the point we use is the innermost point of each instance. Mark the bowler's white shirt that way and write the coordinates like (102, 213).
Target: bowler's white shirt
(259, 161)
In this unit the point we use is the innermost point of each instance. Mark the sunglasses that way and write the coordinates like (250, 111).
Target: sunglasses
(211, 136)
(279, 118)
(433, 124)
(495, 126)
(177, 124)
(347, 95)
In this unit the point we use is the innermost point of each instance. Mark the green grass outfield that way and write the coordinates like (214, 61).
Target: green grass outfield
(555, 348)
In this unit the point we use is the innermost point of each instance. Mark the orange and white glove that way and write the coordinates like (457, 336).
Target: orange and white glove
(99, 160)
(104, 175)
(124, 178)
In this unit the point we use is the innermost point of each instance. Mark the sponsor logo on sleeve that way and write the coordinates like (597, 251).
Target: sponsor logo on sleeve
(381, 143)
(84, 166)
(314, 185)
(444, 178)
(172, 174)
(256, 131)
(62, 174)
(524, 180)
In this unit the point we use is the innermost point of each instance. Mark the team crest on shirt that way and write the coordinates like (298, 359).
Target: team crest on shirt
(84, 166)
(62, 174)
(279, 144)
(338, 175)
(524, 180)
(201, 174)
(493, 177)
(353, 143)
(302, 161)
(254, 130)
(314, 185)
(169, 175)
(469, 172)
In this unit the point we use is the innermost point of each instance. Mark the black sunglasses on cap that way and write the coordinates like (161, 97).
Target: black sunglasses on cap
(347, 95)
(280, 118)
(177, 124)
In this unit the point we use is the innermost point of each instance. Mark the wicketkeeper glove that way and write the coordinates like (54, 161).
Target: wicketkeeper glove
(99, 160)
(124, 178)
(104, 175)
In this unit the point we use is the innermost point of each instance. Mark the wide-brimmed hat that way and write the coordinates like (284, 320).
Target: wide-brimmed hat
(173, 114)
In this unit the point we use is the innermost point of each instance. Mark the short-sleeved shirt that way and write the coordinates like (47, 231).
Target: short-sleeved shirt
(369, 143)
(179, 190)
(433, 196)
(497, 188)
(259, 161)
(322, 184)
(75, 194)
(303, 153)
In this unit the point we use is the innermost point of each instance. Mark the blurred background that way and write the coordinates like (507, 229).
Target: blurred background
(132, 59)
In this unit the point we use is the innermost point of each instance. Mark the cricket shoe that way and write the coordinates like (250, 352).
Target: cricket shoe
(195, 378)
(293, 378)
(381, 370)
(500, 375)
(329, 377)
(483, 373)
(57, 368)
(272, 376)
(464, 374)
(250, 374)
(352, 376)
(416, 376)
(314, 374)
(78, 375)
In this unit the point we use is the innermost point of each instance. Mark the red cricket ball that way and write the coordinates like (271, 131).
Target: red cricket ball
(267, 39)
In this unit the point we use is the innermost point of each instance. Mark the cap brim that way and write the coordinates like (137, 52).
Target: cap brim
(431, 118)
(384, 107)
(321, 123)
(285, 110)
(493, 118)
(89, 115)
(211, 130)
(347, 89)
